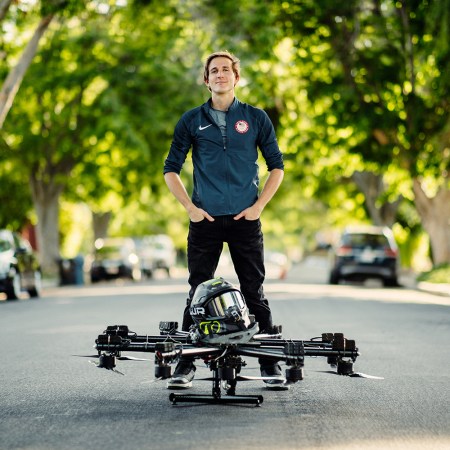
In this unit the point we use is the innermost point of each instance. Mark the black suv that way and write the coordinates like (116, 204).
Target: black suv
(366, 252)
(19, 266)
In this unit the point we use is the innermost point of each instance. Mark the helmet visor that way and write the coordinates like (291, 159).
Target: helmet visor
(218, 306)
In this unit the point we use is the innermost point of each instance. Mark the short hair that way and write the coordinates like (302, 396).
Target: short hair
(235, 63)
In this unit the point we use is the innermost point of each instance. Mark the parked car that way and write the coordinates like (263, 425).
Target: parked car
(156, 252)
(115, 258)
(19, 266)
(363, 253)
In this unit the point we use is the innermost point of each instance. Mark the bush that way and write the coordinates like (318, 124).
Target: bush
(440, 274)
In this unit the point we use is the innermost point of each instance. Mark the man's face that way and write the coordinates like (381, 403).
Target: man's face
(221, 78)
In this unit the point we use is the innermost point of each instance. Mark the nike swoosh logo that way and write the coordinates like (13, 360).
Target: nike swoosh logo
(202, 128)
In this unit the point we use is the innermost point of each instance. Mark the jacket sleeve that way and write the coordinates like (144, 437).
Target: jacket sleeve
(179, 148)
(268, 144)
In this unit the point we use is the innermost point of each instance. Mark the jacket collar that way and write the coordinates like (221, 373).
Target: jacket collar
(235, 104)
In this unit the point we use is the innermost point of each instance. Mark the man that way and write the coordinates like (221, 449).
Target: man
(225, 135)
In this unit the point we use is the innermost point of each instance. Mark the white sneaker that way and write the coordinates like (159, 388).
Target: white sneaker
(277, 381)
(183, 376)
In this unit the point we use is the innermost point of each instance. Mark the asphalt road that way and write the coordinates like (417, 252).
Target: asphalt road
(50, 399)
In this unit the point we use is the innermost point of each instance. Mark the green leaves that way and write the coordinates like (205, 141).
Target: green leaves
(359, 86)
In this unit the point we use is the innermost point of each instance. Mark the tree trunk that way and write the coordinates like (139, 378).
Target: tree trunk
(435, 215)
(100, 224)
(4, 6)
(15, 76)
(372, 186)
(46, 203)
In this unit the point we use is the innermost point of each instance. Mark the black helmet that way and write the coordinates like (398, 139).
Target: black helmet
(220, 313)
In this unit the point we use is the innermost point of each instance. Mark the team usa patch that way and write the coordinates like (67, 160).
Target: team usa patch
(241, 126)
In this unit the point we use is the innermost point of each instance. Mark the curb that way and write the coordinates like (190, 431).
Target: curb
(434, 288)
(442, 289)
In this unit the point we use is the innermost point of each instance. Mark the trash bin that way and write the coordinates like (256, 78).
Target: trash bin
(71, 271)
(66, 272)
(78, 263)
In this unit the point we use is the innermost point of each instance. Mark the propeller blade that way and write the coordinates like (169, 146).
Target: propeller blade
(121, 358)
(353, 374)
(131, 358)
(363, 375)
(254, 378)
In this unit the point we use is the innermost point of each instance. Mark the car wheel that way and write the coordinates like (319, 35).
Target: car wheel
(35, 291)
(334, 278)
(13, 287)
(148, 273)
(136, 275)
(390, 282)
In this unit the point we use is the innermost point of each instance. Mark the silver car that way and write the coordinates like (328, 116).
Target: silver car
(156, 252)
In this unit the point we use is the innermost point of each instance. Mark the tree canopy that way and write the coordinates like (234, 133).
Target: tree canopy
(357, 91)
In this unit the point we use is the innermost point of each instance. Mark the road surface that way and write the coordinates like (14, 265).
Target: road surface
(50, 399)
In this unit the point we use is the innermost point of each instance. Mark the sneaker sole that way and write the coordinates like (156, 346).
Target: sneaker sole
(179, 386)
(277, 387)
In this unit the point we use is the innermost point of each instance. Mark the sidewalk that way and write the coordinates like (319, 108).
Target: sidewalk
(314, 269)
(435, 288)
(310, 270)
(408, 279)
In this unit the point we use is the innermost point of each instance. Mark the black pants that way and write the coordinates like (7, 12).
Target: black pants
(245, 241)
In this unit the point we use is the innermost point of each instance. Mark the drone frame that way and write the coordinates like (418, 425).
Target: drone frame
(224, 360)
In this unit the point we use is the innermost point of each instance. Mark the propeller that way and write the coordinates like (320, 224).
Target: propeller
(363, 375)
(108, 362)
(112, 369)
(120, 358)
(352, 374)
(131, 358)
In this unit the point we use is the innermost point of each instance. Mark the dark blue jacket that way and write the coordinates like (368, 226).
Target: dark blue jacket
(225, 171)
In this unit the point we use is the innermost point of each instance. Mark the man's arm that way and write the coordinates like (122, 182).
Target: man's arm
(178, 189)
(270, 188)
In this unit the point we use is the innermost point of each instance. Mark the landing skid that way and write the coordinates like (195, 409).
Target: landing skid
(216, 396)
(198, 398)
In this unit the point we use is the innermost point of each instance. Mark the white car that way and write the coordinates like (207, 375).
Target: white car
(156, 252)
(19, 266)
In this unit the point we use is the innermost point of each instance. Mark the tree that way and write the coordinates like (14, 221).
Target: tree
(4, 6)
(12, 83)
(379, 70)
(14, 79)
(138, 110)
(356, 91)
(88, 109)
(13, 214)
